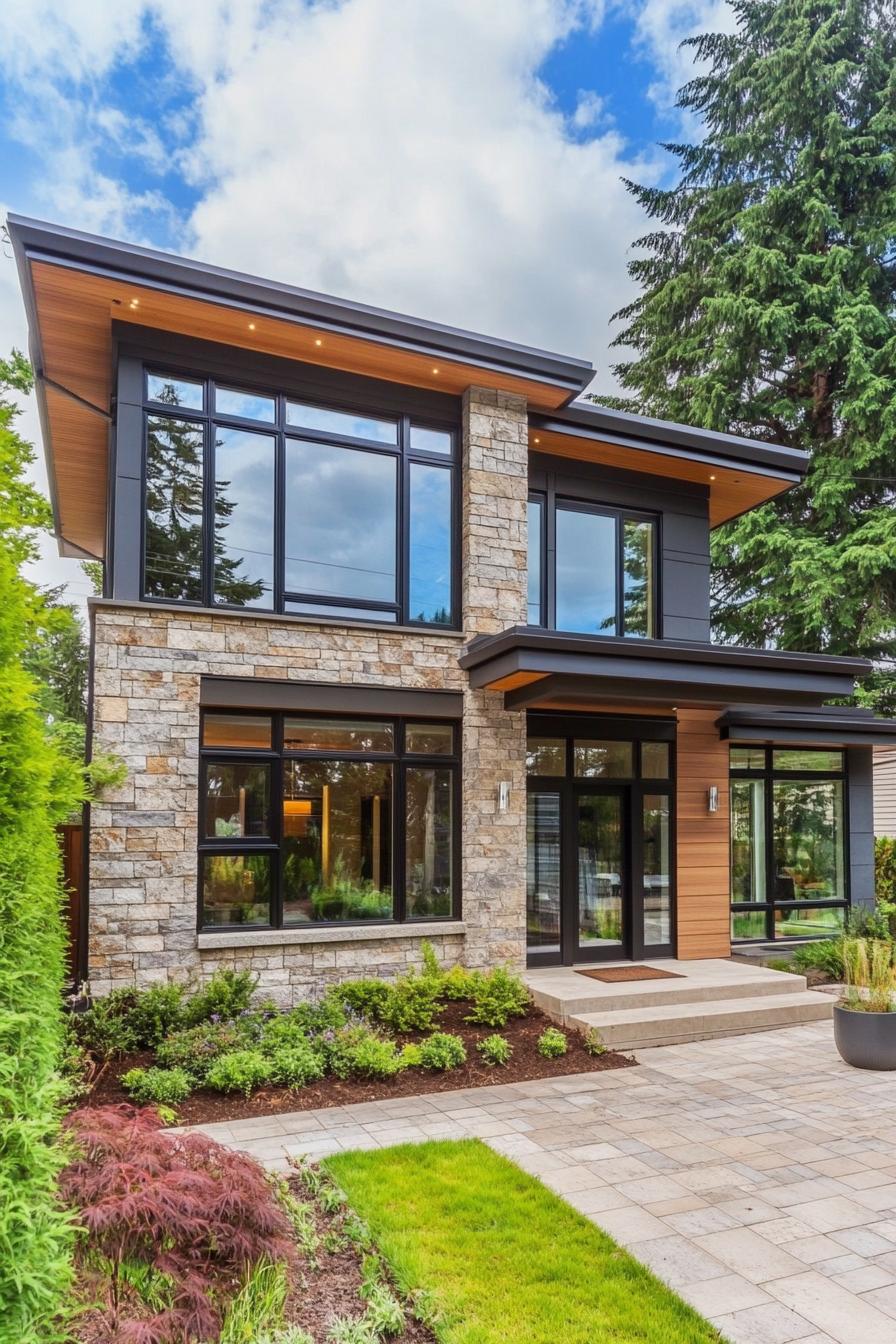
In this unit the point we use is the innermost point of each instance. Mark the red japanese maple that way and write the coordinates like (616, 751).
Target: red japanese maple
(181, 1205)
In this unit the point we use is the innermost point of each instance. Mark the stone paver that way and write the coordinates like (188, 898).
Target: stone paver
(755, 1174)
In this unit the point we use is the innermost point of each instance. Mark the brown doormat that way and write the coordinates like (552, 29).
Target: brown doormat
(614, 974)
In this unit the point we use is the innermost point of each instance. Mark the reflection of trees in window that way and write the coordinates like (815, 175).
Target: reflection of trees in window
(174, 533)
(428, 840)
(638, 574)
(808, 839)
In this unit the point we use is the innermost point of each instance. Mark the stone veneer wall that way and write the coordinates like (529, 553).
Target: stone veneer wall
(147, 667)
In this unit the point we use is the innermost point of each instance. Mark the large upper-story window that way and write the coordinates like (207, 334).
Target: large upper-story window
(309, 819)
(256, 499)
(592, 570)
(788, 842)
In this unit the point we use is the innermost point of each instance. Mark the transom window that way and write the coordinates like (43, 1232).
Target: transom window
(592, 569)
(255, 499)
(788, 848)
(307, 819)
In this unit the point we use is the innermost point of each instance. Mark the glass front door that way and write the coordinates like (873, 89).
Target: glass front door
(601, 917)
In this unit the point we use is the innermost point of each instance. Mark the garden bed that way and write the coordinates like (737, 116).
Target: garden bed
(525, 1064)
(218, 1052)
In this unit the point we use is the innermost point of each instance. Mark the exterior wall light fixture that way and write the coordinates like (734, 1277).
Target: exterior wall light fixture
(712, 798)
(503, 795)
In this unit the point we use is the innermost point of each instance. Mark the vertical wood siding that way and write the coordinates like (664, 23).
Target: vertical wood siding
(703, 838)
(885, 792)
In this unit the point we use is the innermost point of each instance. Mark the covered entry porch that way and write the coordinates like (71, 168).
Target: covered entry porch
(629, 816)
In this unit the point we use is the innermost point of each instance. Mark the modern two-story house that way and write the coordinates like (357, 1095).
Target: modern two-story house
(402, 639)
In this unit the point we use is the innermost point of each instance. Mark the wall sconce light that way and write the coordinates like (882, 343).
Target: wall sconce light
(503, 795)
(712, 798)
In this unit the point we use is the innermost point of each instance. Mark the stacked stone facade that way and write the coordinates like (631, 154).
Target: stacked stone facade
(148, 662)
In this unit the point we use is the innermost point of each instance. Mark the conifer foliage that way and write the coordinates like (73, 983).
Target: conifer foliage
(38, 786)
(768, 308)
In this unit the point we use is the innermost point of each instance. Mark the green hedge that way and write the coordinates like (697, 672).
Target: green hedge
(37, 789)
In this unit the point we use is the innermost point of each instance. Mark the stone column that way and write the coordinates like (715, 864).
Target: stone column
(495, 493)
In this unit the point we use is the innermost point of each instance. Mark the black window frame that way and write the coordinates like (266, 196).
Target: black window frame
(406, 457)
(768, 775)
(551, 503)
(399, 759)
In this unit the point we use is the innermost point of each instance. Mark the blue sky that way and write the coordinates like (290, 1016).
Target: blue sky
(450, 158)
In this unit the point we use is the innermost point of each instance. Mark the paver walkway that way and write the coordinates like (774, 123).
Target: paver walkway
(756, 1175)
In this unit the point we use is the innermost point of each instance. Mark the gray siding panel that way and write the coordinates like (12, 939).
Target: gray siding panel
(861, 824)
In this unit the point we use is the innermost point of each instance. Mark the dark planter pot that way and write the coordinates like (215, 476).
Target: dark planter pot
(865, 1040)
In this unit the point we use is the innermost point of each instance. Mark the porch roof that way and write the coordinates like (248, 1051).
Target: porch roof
(548, 669)
(835, 726)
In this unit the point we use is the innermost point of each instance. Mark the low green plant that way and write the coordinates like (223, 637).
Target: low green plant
(410, 1057)
(157, 1012)
(442, 1051)
(157, 1087)
(301, 1216)
(296, 1065)
(106, 1028)
(495, 1050)
(239, 1071)
(225, 995)
(870, 977)
(290, 1334)
(497, 997)
(351, 1330)
(196, 1049)
(824, 955)
(458, 983)
(593, 1041)
(384, 1314)
(411, 1003)
(552, 1043)
(367, 998)
(357, 1052)
(258, 1303)
(431, 968)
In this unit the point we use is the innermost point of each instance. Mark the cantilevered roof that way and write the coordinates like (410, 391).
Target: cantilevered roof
(544, 669)
(836, 725)
(738, 473)
(75, 285)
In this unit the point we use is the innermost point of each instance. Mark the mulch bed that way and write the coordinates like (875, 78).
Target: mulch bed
(205, 1107)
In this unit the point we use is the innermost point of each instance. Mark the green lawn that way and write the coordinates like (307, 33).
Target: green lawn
(506, 1260)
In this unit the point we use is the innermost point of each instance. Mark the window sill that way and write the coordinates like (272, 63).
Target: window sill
(353, 933)
(279, 618)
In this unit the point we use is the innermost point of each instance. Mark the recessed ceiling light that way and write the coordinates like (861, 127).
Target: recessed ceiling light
(251, 326)
(538, 440)
(435, 370)
(318, 341)
(712, 478)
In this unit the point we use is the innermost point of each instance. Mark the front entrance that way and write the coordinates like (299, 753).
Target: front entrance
(599, 834)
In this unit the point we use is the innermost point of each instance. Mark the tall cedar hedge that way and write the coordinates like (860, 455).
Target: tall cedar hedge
(38, 788)
(767, 307)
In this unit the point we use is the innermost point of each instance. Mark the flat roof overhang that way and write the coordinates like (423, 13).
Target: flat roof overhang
(737, 473)
(835, 726)
(541, 669)
(76, 284)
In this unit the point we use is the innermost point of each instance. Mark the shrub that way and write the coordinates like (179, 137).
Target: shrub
(226, 995)
(495, 1050)
(157, 1087)
(197, 1048)
(442, 1051)
(410, 1057)
(431, 968)
(360, 1053)
(239, 1071)
(459, 983)
(885, 869)
(179, 1206)
(497, 997)
(825, 955)
(107, 1028)
(367, 998)
(411, 1003)
(156, 1013)
(296, 1065)
(594, 1042)
(39, 787)
(552, 1043)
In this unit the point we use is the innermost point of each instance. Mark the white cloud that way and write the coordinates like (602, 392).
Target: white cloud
(662, 26)
(395, 152)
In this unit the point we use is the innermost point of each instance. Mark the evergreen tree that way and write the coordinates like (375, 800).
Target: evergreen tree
(767, 309)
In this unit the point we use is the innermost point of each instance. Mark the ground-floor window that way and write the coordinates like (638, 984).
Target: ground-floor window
(309, 819)
(788, 842)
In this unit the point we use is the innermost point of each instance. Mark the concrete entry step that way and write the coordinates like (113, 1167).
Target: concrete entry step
(561, 991)
(711, 998)
(676, 1023)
